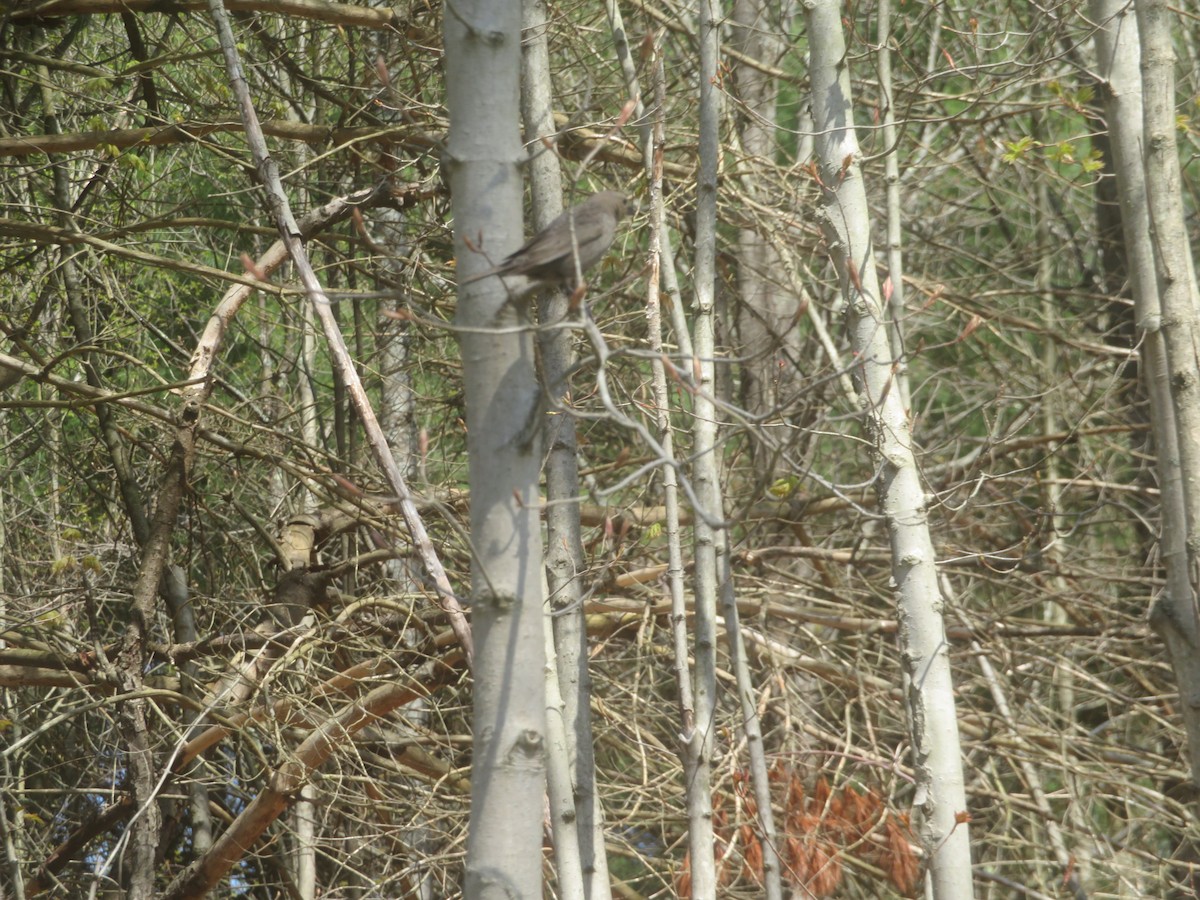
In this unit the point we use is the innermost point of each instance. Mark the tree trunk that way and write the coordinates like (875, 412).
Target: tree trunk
(766, 311)
(1174, 615)
(937, 753)
(504, 844)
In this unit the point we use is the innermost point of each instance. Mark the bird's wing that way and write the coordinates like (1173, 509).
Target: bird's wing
(551, 243)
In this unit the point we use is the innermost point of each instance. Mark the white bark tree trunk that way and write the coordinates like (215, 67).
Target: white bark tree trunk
(1168, 311)
(483, 157)
(699, 742)
(564, 534)
(940, 799)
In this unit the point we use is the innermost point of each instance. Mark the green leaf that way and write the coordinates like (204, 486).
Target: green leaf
(1015, 150)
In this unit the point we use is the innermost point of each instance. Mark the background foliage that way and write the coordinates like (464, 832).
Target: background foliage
(115, 247)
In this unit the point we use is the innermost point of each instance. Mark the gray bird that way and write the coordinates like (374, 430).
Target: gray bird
(549, 256)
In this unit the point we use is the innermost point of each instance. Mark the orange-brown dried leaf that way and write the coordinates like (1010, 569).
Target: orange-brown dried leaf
(852, 812)
(720, 847)
(720, 819)
(896, 830)
(874, 803)
(905, 874)
(725, 872)
(718, 800)
(897, 858)
(752, 860)
(820, 795)
(794, 802)
(860, 814)
(826, 871)
(804, 825)
(834, 810)
(683, 878)
(795, 861)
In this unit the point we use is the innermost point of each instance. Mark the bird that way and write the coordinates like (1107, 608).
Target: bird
(550, 255)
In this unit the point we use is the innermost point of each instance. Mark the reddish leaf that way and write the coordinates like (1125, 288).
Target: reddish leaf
(826, 871)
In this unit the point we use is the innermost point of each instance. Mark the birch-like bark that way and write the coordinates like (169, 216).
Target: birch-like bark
(894, 295)
(659, 266)
(1118, 51)
(564, 534)
(303, 816)
(1166, 307)
(699, 742)
(940, 799)
(564, 823)
(616, 23)
(483, 159)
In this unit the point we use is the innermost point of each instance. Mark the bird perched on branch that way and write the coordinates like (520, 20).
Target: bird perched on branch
(574, 242)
